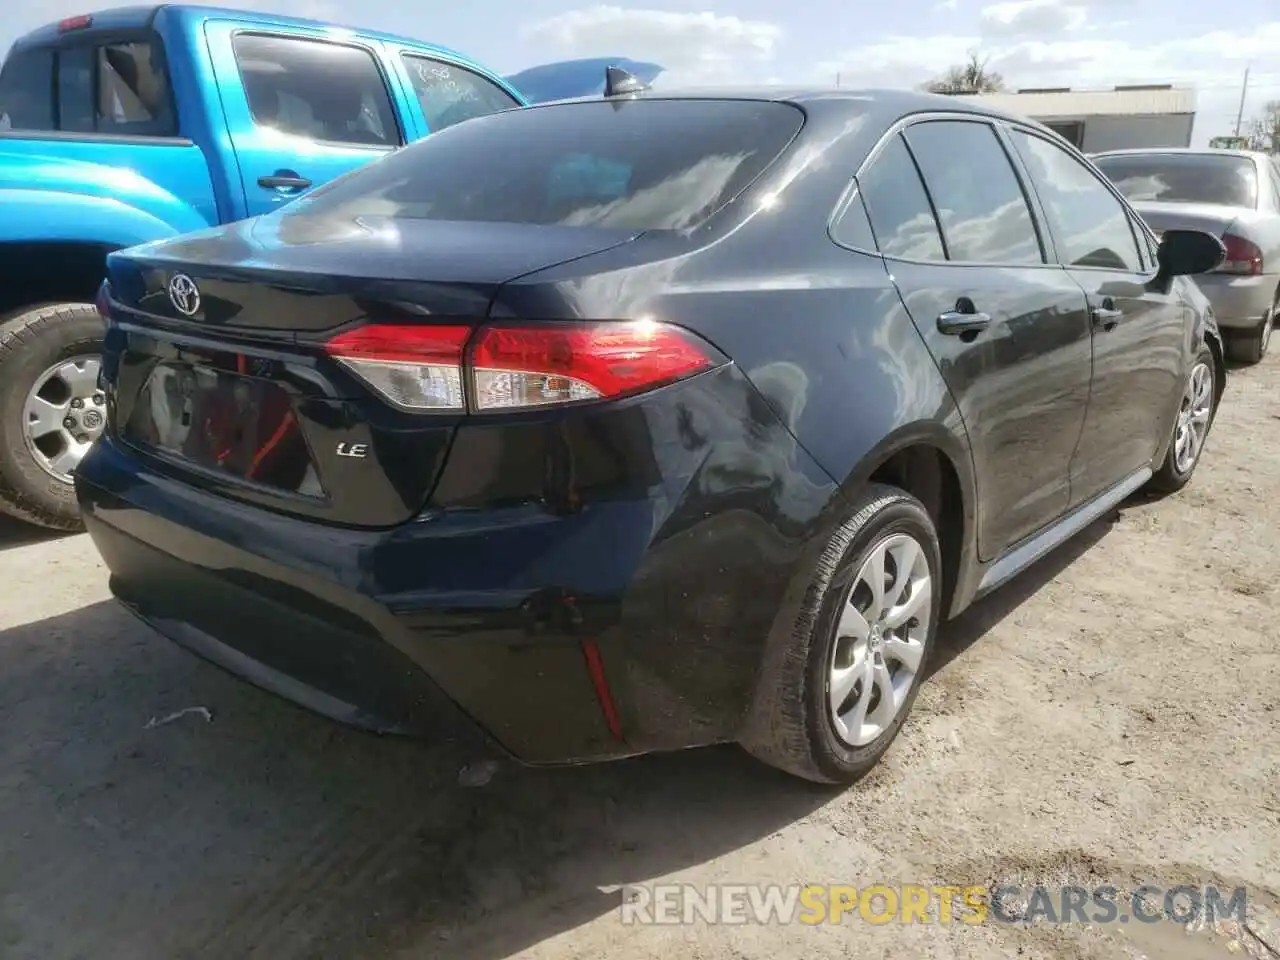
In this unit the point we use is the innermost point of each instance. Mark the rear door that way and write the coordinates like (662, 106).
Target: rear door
(1140, 328)
(1008, 330)
(301, 107)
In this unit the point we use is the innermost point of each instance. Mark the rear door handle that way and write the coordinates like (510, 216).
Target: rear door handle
(1106, 316)
(278, 182)
(955, 323)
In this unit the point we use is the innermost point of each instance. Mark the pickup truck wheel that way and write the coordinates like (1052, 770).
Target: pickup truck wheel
(51, 410)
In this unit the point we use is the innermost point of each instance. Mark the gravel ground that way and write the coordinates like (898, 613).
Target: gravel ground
(1110, 717)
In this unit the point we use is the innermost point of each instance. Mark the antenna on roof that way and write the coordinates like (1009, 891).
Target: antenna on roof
(619, 83)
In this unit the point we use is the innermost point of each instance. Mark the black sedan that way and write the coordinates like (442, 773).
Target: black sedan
(643, 422)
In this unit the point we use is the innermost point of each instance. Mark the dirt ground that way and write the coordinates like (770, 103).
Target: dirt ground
(1110, 717)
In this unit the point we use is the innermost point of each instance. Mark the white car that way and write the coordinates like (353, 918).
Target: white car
(1233, 194)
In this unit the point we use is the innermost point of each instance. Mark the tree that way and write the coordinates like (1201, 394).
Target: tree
(969, 77)
(1264, 131)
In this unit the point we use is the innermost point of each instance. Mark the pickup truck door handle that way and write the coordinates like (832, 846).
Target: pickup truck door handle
(280, 181)
(1105, 314)
(956, 323)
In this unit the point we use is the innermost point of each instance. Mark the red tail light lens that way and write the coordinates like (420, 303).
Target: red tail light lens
(515, 367)
(422, 368)
(1243, 256)
(413, 367)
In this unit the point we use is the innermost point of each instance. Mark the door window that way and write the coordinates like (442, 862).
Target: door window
(1090, 225)
(75, 90)
(322, 91)
(26, 91)
(133, 91)
(450, 94)
(984, 213)
(898, 207)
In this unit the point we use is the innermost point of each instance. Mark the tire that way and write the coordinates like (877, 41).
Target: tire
(1252, 346)
(1174, 474)
(32, 342)
(793, 725)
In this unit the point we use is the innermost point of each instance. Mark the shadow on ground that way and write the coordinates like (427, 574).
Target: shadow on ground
(270, 832)
(15, 533)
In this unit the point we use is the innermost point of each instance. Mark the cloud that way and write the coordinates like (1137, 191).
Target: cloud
(694, 47)
(1031, 18)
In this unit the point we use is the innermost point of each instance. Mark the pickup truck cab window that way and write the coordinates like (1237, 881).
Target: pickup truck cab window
(115, 88)
(450, 94)
(323, 91)
(26, 91)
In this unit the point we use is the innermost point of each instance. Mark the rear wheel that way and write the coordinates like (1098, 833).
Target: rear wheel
(837, 697)
(1252, 346)
(51, 411)
(1196, 409)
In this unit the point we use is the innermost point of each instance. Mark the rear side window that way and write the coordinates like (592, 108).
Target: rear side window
(1183, 178)
(310, 88)
(984, 213)
(450, 94)
(899, 209)
(76, 112)
(1091, 226)
(133, 90)
(643, 165)
(26, 91)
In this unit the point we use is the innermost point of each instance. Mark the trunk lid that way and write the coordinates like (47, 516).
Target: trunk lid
(1206, 217)
(215, 362)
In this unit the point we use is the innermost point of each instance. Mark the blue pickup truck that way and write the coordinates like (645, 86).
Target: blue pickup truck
(140, 123)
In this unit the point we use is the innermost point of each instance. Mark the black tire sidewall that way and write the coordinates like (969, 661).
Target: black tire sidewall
(36, 340)
(838, 760)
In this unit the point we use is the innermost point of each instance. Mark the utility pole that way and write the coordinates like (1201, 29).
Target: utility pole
(1244, 89)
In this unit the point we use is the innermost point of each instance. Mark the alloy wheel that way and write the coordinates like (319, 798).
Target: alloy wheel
(880, 639)
(1193, 418)
(64, 414)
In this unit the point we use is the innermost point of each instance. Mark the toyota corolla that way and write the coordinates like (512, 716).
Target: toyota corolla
(643, 422)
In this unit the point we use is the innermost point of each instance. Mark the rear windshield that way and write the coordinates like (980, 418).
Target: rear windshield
(1184, 178)
(639, 164)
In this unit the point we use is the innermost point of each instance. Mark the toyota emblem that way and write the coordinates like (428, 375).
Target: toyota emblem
(184, 294)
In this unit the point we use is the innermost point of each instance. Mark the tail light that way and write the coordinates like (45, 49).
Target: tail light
(413, 367)
(513, 367)
(1243, 256)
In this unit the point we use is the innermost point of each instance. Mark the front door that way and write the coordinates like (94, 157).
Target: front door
(1139, 327)
(1009, 331)
(301, 108)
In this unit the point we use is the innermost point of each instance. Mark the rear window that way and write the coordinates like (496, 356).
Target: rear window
(641, 164)
(1184, 178)
(26, 91)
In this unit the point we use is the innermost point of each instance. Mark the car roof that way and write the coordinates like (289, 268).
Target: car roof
(884, 100)
(140, 16)
(1180, 151)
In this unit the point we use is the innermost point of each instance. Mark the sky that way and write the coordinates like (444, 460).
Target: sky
(1082, 44)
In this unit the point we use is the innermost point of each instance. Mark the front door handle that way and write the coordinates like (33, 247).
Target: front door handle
(956, 323)
(283, 182)
(1106, 315)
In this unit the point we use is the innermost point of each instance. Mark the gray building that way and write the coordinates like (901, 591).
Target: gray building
(1096, 120)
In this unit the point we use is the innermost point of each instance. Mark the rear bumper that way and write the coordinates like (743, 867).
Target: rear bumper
(1239, 303)
(514, 615)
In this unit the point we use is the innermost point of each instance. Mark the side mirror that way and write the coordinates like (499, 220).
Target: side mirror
(1186, 252)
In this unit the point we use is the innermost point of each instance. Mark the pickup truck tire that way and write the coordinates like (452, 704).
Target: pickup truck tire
(33, 341)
